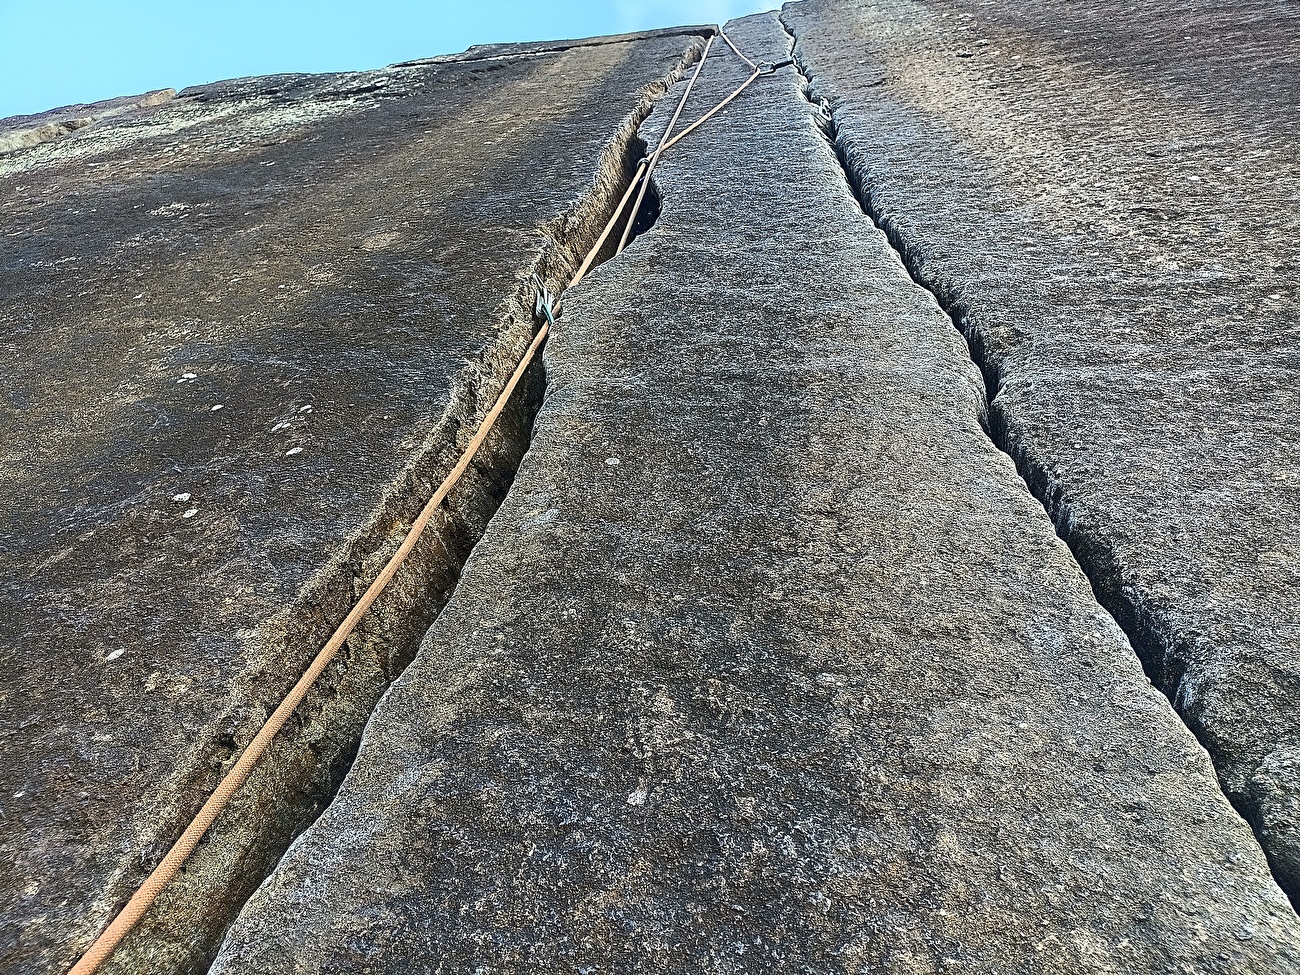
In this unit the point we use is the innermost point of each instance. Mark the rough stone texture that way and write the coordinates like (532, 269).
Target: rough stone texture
(1107, 197)
(24, 131)
(484, 52)
(240, 336)
(769, 661)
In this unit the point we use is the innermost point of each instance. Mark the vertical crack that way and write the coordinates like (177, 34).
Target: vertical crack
(1158, 654)
(306, 765)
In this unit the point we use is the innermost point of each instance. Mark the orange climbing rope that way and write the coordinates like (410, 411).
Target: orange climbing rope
(665, 144)
(659, 149)
(739, 53)
(718, 107)
(106, 943)
(162, 874)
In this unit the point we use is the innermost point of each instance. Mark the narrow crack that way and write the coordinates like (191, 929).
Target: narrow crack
(308, 761)
(1156, 652)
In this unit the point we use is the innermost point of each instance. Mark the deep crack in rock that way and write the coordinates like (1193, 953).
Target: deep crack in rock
(1097, 561)
(309, 759)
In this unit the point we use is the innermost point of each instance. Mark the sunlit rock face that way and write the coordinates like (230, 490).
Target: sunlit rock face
(888, 568)
(1104, 198)
(242, 333)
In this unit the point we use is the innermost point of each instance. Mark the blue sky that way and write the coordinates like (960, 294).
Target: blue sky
(57, 52)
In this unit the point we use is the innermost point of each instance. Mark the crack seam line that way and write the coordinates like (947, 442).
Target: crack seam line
(102, 948)
(829, 129)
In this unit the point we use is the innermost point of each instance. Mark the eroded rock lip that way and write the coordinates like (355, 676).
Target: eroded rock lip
(24, 131)
(482, 52)
(769, 661)
(241, 335)
(1104, 197)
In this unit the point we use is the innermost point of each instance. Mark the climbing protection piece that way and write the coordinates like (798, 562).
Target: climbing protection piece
(544, 306)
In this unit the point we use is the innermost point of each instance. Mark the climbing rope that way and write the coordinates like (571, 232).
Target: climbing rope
(739, 53)
(659, 150)
(759, 71)
(546, 309)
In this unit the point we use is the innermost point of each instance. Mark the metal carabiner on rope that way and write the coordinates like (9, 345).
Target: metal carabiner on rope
(544, 306)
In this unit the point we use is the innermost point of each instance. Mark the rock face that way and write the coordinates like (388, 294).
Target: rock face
(241, 333)
(769, 661)
(955, 383)
(1104, 197)
(25, 131)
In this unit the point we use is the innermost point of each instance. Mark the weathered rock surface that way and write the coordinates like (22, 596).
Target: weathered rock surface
(25, 131)
(1106, 196)
(240, 335)
(769, 661)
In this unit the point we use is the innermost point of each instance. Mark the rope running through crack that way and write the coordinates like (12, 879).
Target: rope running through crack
(102, 948)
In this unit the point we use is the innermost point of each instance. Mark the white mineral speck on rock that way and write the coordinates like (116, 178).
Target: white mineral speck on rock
(612, 461)
(184, 496)
(637, 798)
(292, 450)
(190, 513)
(114, 655)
